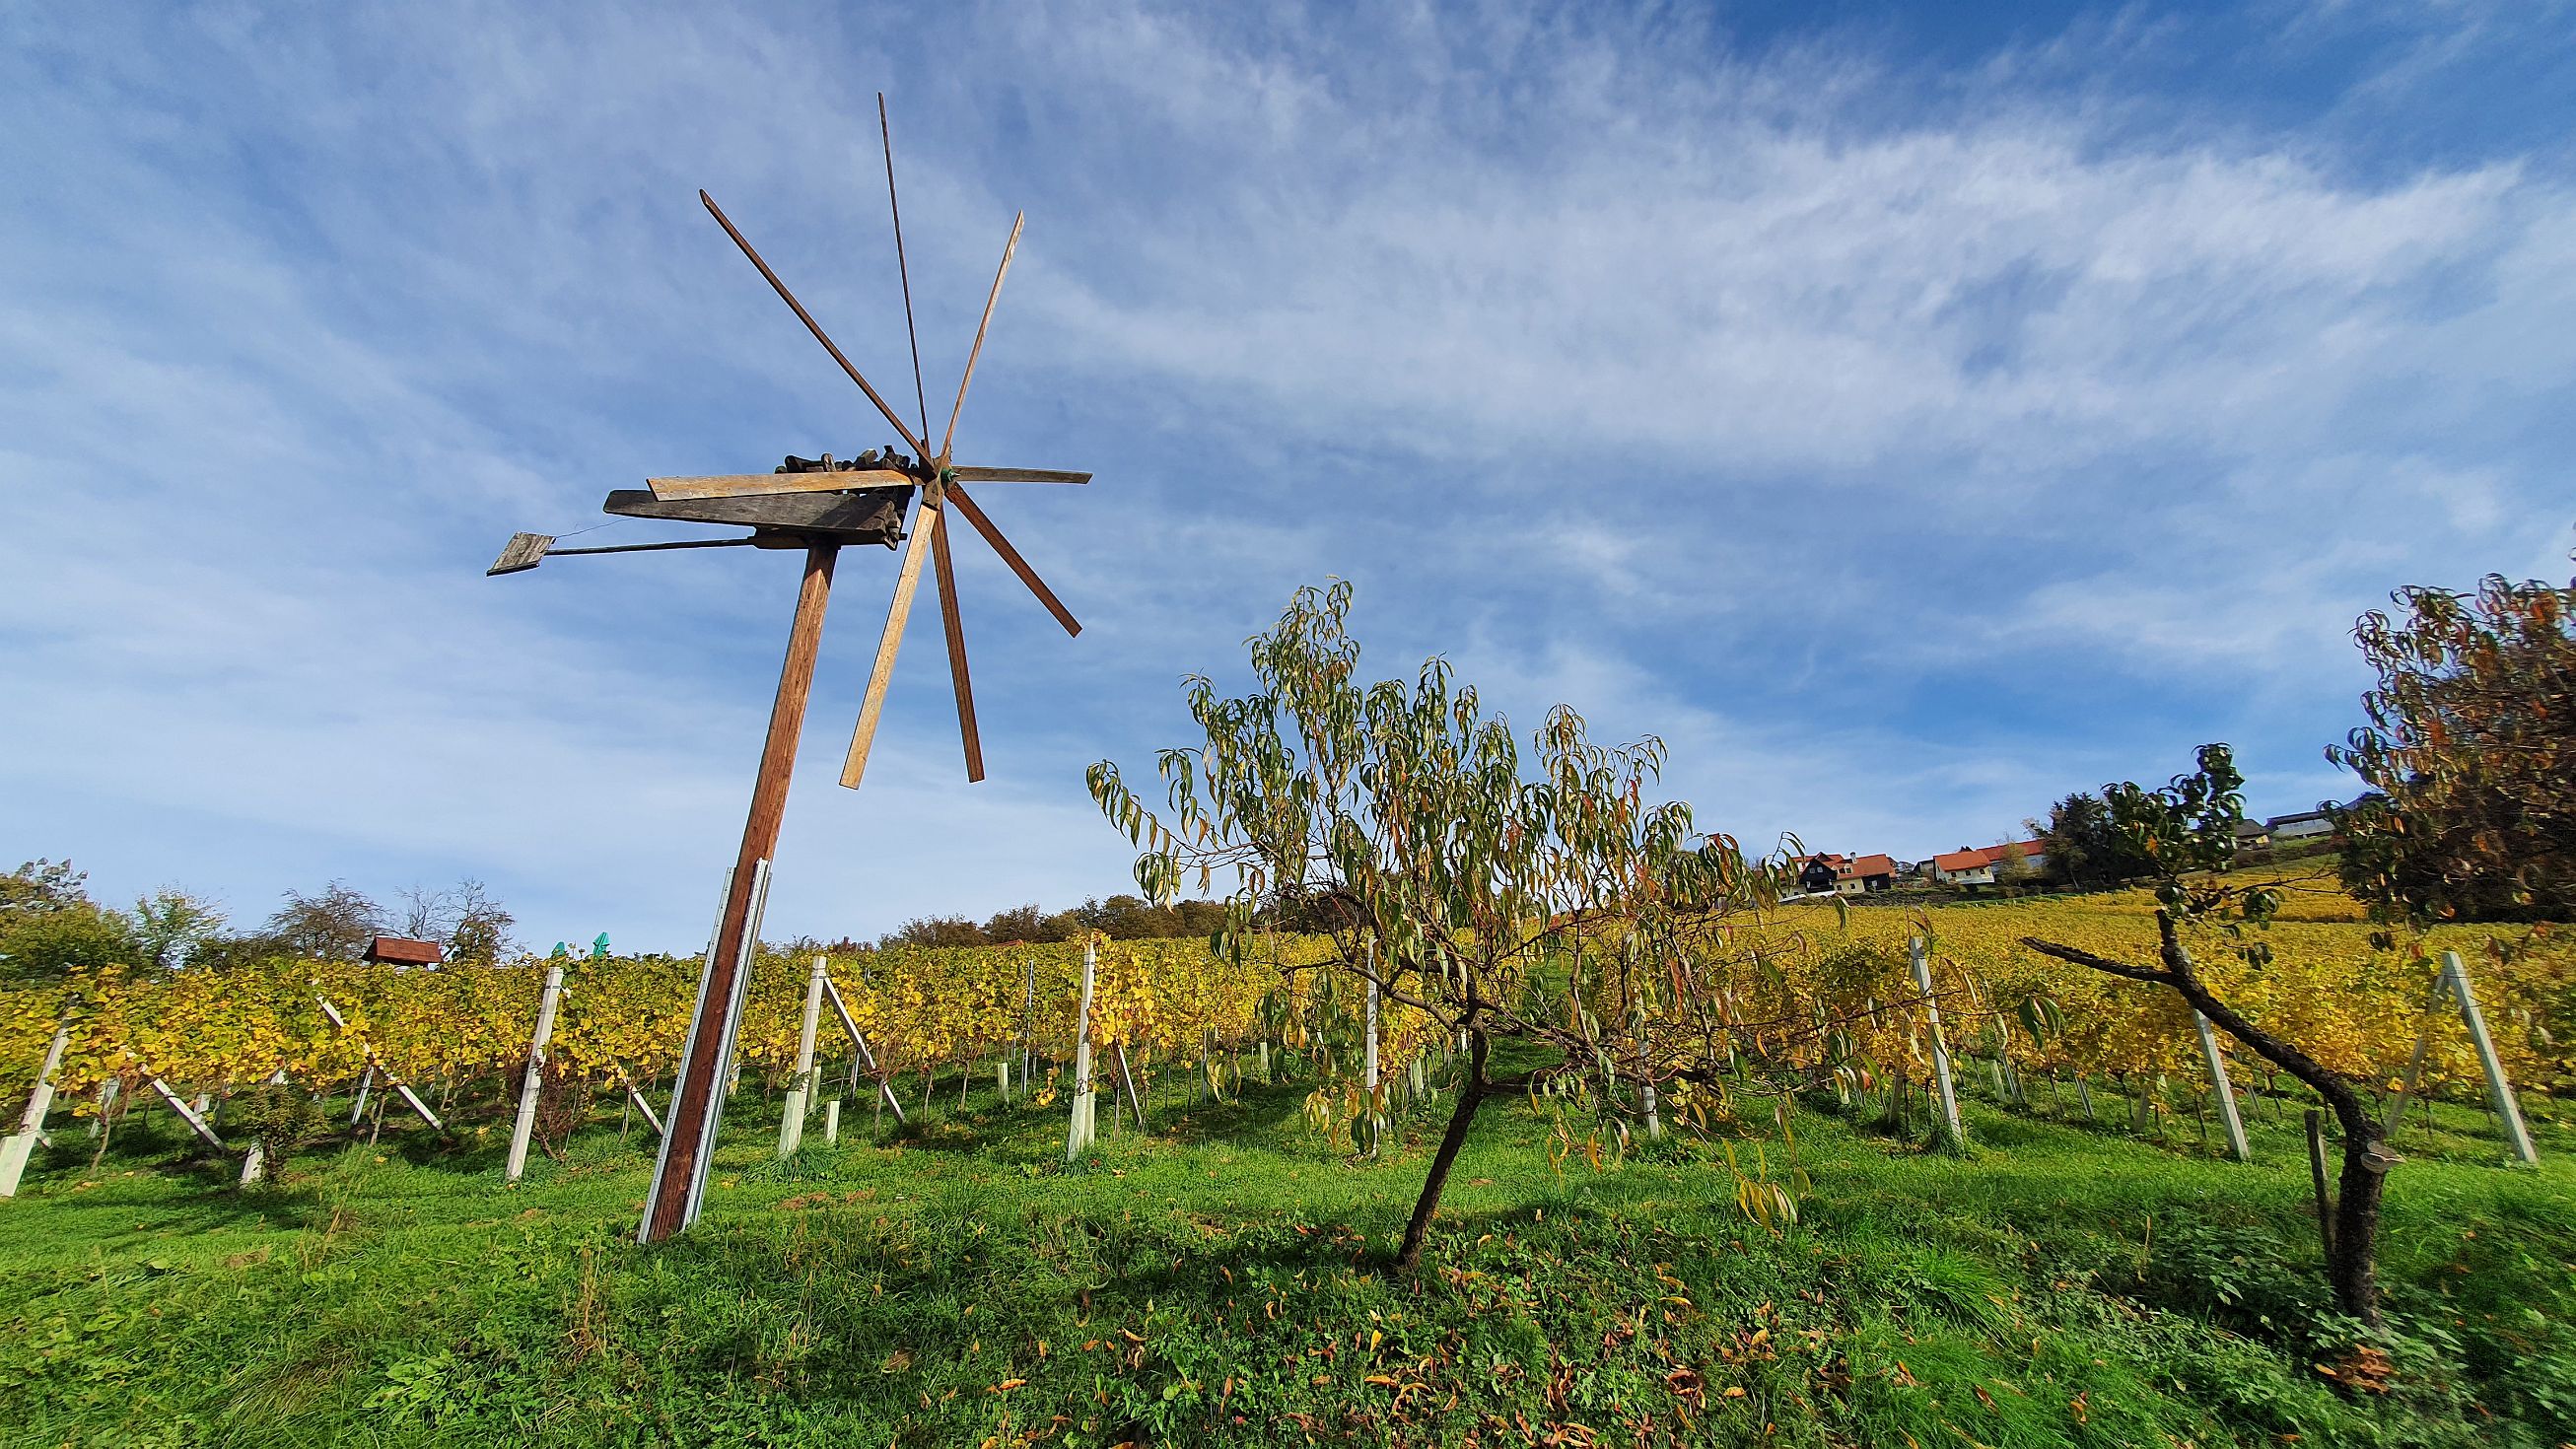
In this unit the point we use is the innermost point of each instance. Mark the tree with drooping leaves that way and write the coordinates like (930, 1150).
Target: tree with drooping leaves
(1542, 898)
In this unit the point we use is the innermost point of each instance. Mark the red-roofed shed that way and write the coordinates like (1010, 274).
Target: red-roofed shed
(396, 951)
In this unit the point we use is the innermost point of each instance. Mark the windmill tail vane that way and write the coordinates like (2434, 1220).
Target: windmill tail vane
(808, 502)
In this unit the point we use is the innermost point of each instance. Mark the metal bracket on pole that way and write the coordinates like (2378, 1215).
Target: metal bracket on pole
(743, 957)
(689, 1046)
(1922, 963)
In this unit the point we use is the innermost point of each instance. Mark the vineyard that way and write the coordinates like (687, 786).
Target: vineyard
(1172, 1010)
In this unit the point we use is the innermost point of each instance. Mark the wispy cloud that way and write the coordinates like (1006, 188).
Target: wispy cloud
(1909, 426)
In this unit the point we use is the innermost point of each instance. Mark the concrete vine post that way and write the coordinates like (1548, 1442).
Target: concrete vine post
(1079, 1135)
(2237, 1147)
(800, 1091)
(2499, 1090)
(1954, 1132)
(532, 1084)
(31, 1123)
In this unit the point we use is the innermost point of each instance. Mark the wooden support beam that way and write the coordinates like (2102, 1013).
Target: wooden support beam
(680, 1174)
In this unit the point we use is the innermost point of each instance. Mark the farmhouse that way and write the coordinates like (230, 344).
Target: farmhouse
(2306, 825)
(1866, 875)
(1976, 865)
(396, 951)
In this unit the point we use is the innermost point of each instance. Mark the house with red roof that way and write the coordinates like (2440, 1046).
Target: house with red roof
(1974, 865)
(1864, 875)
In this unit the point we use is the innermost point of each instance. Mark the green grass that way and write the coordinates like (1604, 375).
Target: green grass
(1223, 1280)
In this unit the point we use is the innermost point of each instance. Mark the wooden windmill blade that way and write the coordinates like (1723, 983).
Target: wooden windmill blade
(953, 625)
(811, 325)
(948, 444)
(1011, 556)
(907, 578)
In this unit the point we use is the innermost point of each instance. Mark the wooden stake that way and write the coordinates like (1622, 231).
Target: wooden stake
(2317, 1180)
(532, 1085)
(858, 1039)
(679, 1177)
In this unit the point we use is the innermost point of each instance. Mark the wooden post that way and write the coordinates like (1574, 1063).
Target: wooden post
(2317, 1180)
(679, 1178)
(1957, 1132)
(791, 1126)
(532, 1084)
(2499, 1091)
(2236, 1145)
(1078, 1136)
(31, 1123)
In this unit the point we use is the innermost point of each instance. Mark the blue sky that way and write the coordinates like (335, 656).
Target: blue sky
(1911, 414)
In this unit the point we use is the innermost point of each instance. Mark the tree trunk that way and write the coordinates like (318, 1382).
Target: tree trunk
(1471, 1092)
(2352, 1268)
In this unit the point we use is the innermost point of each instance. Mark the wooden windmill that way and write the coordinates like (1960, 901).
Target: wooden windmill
(816, 505)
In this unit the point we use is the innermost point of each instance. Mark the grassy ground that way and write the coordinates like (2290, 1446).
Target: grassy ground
(1223, 1280)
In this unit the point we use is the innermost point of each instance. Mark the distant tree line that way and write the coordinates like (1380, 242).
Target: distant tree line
(50, 926)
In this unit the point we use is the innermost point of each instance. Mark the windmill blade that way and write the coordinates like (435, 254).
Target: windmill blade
(1011, 556)
(920, 399)
(760, 485)
(925, 528)
(1013, 245)
(956, 630)
(1017, 475)
(811, 325)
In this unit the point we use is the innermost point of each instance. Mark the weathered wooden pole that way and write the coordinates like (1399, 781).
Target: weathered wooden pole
(31, 1123)
(2499, 1090)
(696, 1106)
(2209, 1053)
(791, 1126)
(1078, 1135)
(1957, 1133)
(533, 1084)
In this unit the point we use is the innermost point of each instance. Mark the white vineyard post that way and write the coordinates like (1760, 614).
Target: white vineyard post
(532, 1085)
(2499, 1091)
(791, 1126)
(1368, 1068)
(194, 1117)
(867, 1057)
(257, 1157)
(366, 1084)
(636, 1098)
(832, 1121)
(401, 1088)
(1078, 1136)
(2237, 1147)
(1921, 956)
(31, 1123)
(2414, 1069)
